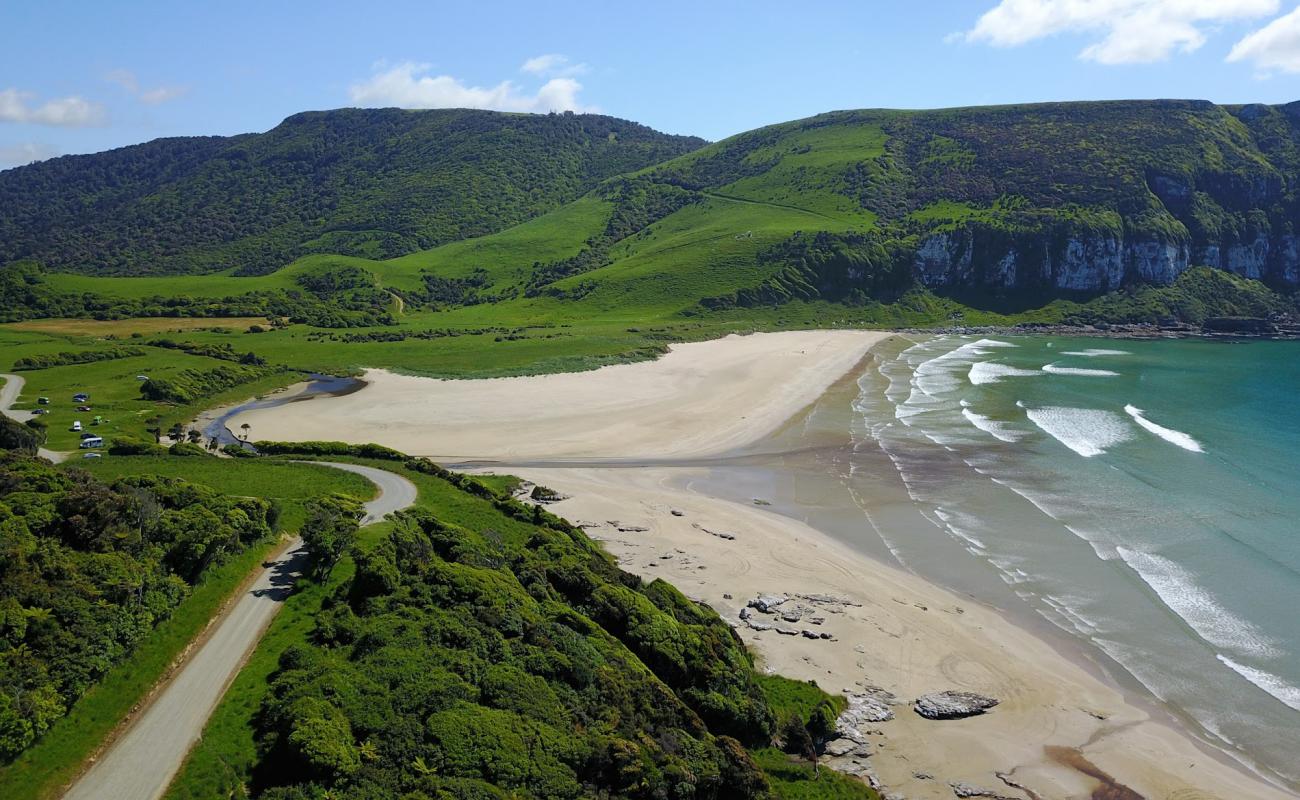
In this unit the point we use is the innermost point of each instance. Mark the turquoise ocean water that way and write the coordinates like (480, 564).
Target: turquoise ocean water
(1143, 496)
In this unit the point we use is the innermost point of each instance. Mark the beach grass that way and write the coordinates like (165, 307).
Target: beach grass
(793, 778)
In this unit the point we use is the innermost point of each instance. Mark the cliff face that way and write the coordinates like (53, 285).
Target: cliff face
(1091, 262)
(1258, 241)
(1068, 198)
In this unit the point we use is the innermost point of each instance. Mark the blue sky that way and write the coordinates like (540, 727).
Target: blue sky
(85, 76)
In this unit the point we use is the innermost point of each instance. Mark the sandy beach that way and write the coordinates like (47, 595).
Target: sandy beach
(1060, 731)
(699, 399)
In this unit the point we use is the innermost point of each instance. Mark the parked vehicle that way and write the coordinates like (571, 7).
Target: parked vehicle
(76, 426)
(44, 401)
(36, 412)
(93, 455)
(80, 397)
(83, 408)
(91, 442)
(142, 377)
(87, 435)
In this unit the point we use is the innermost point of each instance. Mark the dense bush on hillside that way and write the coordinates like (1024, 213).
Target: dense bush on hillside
(24, 294)
(46, 360)
(1197, 295)
(486, 663)
(222, 351)
(20, 438)
(638, 203)
(190, 385)
(369, 182)
(849, 268)
(87, 569)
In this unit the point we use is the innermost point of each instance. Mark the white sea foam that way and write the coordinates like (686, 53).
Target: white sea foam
(1267, 681)
(1095, 352)
(1080, 371)
(1086, 431)
(1168, 434)
(999, 430)
(994, 343)
(983, 372)
(1178, 589)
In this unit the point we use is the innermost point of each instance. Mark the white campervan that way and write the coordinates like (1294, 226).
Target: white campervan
(92, 441)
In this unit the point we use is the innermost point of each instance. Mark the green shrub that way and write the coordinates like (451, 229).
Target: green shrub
(187, 449)
(130, 446)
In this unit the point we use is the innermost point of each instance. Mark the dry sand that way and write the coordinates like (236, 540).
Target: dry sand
(700, 398)
(895, 630)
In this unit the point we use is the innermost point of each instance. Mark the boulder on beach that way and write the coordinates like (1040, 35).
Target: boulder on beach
(953, 704)
(767, 603)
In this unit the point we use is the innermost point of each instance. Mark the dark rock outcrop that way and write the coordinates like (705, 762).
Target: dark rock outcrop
(953, 705)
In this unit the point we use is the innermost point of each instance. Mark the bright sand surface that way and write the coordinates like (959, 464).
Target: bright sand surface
(700, 398)
(895, 631)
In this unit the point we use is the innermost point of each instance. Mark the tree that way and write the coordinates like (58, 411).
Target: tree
(821, 727)
(330, 529)
(194, 436)
(800, 742)
(245, 428)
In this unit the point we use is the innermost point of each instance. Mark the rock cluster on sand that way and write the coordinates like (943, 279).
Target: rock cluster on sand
(781, 606)
(966, 790)
(869, 706)
(953, 705)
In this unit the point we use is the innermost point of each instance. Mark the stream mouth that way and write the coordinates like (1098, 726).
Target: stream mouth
(318, 385)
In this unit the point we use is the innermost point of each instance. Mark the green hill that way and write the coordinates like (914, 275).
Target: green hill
(891, 217)
(373, 182)
(1069, 199)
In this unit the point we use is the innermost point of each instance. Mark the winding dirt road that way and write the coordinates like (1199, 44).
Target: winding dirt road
(143, 761)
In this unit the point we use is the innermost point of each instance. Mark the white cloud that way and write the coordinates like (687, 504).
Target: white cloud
(150, 97)
(18, 155)
(1274, 47)
(409, 85)
(124, 78)
(1131, 31)
(162, 94)
(69, 112)
(553, 65)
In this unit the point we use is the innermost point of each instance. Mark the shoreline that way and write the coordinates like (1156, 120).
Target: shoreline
(1111, 732)
(905, 634)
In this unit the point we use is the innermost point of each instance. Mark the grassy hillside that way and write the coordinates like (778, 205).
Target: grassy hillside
(373, 182)
(1071, 212)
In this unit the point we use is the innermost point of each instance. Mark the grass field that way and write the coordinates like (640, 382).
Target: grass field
(113, 386)
(124, 328)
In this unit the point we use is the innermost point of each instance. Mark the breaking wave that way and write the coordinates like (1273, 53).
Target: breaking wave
(983, 372)
(1082, 371)
(1168, 434)
(1177, 589)
(1086, 431)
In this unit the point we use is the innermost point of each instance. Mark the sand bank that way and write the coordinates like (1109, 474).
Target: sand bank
(700, 398)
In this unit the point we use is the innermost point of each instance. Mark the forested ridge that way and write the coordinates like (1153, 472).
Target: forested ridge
(369, 182)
